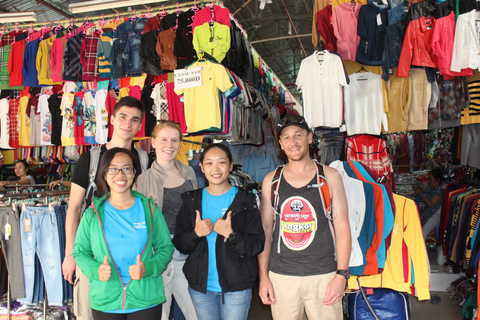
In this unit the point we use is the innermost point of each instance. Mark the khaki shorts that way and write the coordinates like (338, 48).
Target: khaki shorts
(299, 296)
(81, 296)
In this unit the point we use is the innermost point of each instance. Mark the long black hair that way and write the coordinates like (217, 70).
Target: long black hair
(102, 187)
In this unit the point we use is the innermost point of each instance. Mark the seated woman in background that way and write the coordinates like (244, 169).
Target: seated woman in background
(21, 171)
(430, 216)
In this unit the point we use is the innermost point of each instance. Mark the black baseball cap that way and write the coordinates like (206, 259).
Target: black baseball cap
(291, 120)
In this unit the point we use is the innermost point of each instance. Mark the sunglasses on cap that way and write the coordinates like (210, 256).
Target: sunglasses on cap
(291, 119)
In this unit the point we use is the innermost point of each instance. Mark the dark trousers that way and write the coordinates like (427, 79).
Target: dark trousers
(154, 313)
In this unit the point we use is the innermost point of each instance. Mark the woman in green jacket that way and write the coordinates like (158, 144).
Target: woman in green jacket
(123, 244)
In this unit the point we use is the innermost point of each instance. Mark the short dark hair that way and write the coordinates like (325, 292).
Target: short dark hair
(24, 162)
(437, 174)
(220, 146)
(130, 102)
(102, 187)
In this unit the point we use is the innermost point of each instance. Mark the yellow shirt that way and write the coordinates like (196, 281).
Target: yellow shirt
(202, 109)
(185, 148)
(24, 139)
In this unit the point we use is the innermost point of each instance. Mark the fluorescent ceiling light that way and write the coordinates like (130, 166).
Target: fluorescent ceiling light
(106, 4)
(18, 16)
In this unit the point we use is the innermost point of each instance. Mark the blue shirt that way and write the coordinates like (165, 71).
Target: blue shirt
(214, 207)
(126, 234)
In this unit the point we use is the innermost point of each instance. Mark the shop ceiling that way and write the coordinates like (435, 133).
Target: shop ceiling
(280, 33)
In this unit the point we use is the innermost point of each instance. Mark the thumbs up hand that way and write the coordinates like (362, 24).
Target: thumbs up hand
(203, 227)
(137, 271)
(224, 226)
(104, 271)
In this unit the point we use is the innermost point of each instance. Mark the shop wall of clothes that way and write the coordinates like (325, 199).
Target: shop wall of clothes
(403, 66)
(59, 84)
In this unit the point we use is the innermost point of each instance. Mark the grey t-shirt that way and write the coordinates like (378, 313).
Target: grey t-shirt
(172, 202)
(302, 241)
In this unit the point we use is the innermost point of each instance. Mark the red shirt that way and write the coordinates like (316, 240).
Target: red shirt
(15, 64)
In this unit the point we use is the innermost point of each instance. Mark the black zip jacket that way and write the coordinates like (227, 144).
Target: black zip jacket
(236, 259)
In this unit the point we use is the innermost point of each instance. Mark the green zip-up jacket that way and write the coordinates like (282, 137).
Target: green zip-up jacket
(91, 247)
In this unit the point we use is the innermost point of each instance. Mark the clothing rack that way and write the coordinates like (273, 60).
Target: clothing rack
(38, 195)
(67, 22)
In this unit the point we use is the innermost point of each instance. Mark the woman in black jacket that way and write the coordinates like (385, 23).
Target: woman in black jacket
(220, 228)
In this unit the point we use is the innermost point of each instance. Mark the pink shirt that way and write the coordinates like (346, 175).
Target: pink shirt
(56, 58)
(345, 18)
(442, 46)
(220, 15)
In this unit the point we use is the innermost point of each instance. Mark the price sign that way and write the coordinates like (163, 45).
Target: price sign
(188, 78)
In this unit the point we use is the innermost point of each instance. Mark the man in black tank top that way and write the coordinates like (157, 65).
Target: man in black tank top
(298, 271)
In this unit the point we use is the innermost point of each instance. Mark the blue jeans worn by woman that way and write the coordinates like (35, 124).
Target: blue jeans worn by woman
(210, 306)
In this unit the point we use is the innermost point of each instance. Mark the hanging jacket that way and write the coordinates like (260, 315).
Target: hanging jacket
(236, 259)
(164, 47)
(148, 54)
(30, 73)
(417, 46)
(214, 40)
(131, 55)
(237, 56)
(90, 247)
(325, 28)
(183, 40)
(393, 47)
(466, 45)
(372, 26)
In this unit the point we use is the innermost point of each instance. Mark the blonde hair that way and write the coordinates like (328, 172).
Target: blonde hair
(166, 124)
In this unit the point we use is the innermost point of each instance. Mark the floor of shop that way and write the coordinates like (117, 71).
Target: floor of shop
(420, 310)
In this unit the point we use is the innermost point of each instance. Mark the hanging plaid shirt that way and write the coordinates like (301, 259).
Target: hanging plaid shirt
(88, 57)
(14, 131)
(4, 55)
(8, 38)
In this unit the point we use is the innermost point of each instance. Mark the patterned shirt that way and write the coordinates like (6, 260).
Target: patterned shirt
(71, 59)
(88, 57)
(14, 123)
(429, 212)
(369, 150)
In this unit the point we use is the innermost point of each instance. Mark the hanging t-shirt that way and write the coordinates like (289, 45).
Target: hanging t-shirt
(364, 104)
(45, 120)
(24, 117)
(214, 78)
(79, 130)
(54, 103)
(176, 107)
(68, 123)
(101, 135)
(14, 123)
(4, 124)
(89, 118)
(214, 207)
(159, 96)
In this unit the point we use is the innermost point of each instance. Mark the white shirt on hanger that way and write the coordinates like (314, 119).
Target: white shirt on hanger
(5, 121)
(321, 80)
(364, 104)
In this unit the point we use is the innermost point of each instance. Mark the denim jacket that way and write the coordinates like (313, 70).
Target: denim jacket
(131, 55)
(393, 47)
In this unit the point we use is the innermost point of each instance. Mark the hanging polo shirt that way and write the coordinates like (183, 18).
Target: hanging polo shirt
(321, 85)
(214, 78)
